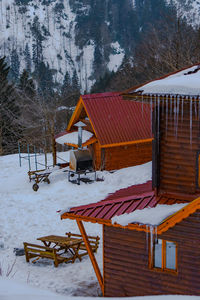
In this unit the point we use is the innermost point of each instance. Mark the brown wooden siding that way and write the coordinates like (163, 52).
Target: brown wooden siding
(126, 261)
(96, 152)
(178, 156)
(127, 156)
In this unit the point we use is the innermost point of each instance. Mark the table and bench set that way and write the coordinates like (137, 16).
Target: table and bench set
(61, 249)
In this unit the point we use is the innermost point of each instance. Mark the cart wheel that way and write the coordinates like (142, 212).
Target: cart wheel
(35, 187)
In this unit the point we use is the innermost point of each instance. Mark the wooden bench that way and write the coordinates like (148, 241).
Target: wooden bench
(37, 251)
(94, 243)
(56, 254)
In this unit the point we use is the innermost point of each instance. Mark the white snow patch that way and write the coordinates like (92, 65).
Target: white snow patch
(148, 216)
(72, 138)
(12, 290)
(115, 59)
(188, 9)
(60, 108)
(180, 83)
(133, 3)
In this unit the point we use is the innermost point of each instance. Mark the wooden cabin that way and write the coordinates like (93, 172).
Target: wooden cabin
(176, 128)
(151, 240)
(121, 130)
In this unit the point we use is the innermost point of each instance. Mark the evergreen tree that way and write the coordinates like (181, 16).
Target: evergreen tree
(26, 84)
(75, 82)
(27, 57)
(44, 77)
(14, 67)
(67, 85)
(9, 111)
(37, 45)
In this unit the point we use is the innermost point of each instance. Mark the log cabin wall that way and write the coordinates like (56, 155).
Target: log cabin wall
(179, 143)
(127, 156)
(96, 154)
(126, 259)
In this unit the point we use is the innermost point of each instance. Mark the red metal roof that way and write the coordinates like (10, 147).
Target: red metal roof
(106, 209)
(131, 190)
(116, 120)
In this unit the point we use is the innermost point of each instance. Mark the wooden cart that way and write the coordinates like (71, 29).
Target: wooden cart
(39, 176)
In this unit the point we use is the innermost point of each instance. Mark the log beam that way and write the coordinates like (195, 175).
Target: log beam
(91, 254)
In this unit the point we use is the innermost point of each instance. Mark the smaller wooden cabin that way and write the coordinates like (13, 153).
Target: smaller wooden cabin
(117, 132)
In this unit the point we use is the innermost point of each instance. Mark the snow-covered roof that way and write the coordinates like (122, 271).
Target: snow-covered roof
(185, 82)
(72, 137)
(149, 215)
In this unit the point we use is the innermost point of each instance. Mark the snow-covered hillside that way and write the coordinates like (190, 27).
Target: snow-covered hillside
(190, 9)
(26, 215)
(55, 22)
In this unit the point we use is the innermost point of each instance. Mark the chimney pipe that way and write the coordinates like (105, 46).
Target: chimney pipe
(79, 137)
(80, 125)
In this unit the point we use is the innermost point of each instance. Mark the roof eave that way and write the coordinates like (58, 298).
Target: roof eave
(147, 140)
(167, 223)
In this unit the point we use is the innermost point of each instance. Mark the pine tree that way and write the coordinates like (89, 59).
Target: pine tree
(44, 79)
(9, 111)
(37, 45)
(67, 86)
(27, 58)
(75, 82)
(14, 67)
(26, 84)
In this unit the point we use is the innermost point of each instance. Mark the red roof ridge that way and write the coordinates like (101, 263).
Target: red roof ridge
(100, 95)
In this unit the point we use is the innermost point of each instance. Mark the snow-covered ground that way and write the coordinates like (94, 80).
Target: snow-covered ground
(26, 215)
(11, 290)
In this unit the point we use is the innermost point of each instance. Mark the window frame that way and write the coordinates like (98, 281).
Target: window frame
(163, 260)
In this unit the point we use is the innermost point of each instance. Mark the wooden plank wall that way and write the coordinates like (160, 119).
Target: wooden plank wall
(96, 150)
(126, 270)
(127, 156)
(178, 156)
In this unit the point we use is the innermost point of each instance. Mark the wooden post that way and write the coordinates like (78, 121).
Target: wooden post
(54, 150)
(91, 254)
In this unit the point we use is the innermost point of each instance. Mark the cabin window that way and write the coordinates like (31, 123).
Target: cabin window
(164, 255)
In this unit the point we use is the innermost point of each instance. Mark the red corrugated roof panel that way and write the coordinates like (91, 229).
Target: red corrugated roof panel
(107, 209)
(116, 120)
(131, 190)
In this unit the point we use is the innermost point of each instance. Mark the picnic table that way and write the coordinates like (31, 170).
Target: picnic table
(69, 245)
(59, 248)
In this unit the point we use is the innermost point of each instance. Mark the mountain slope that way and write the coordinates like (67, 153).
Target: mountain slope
(88, 37)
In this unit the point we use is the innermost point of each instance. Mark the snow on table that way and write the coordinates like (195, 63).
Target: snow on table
(149, 215)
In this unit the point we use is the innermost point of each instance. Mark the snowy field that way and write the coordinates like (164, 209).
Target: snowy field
(26, 215)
